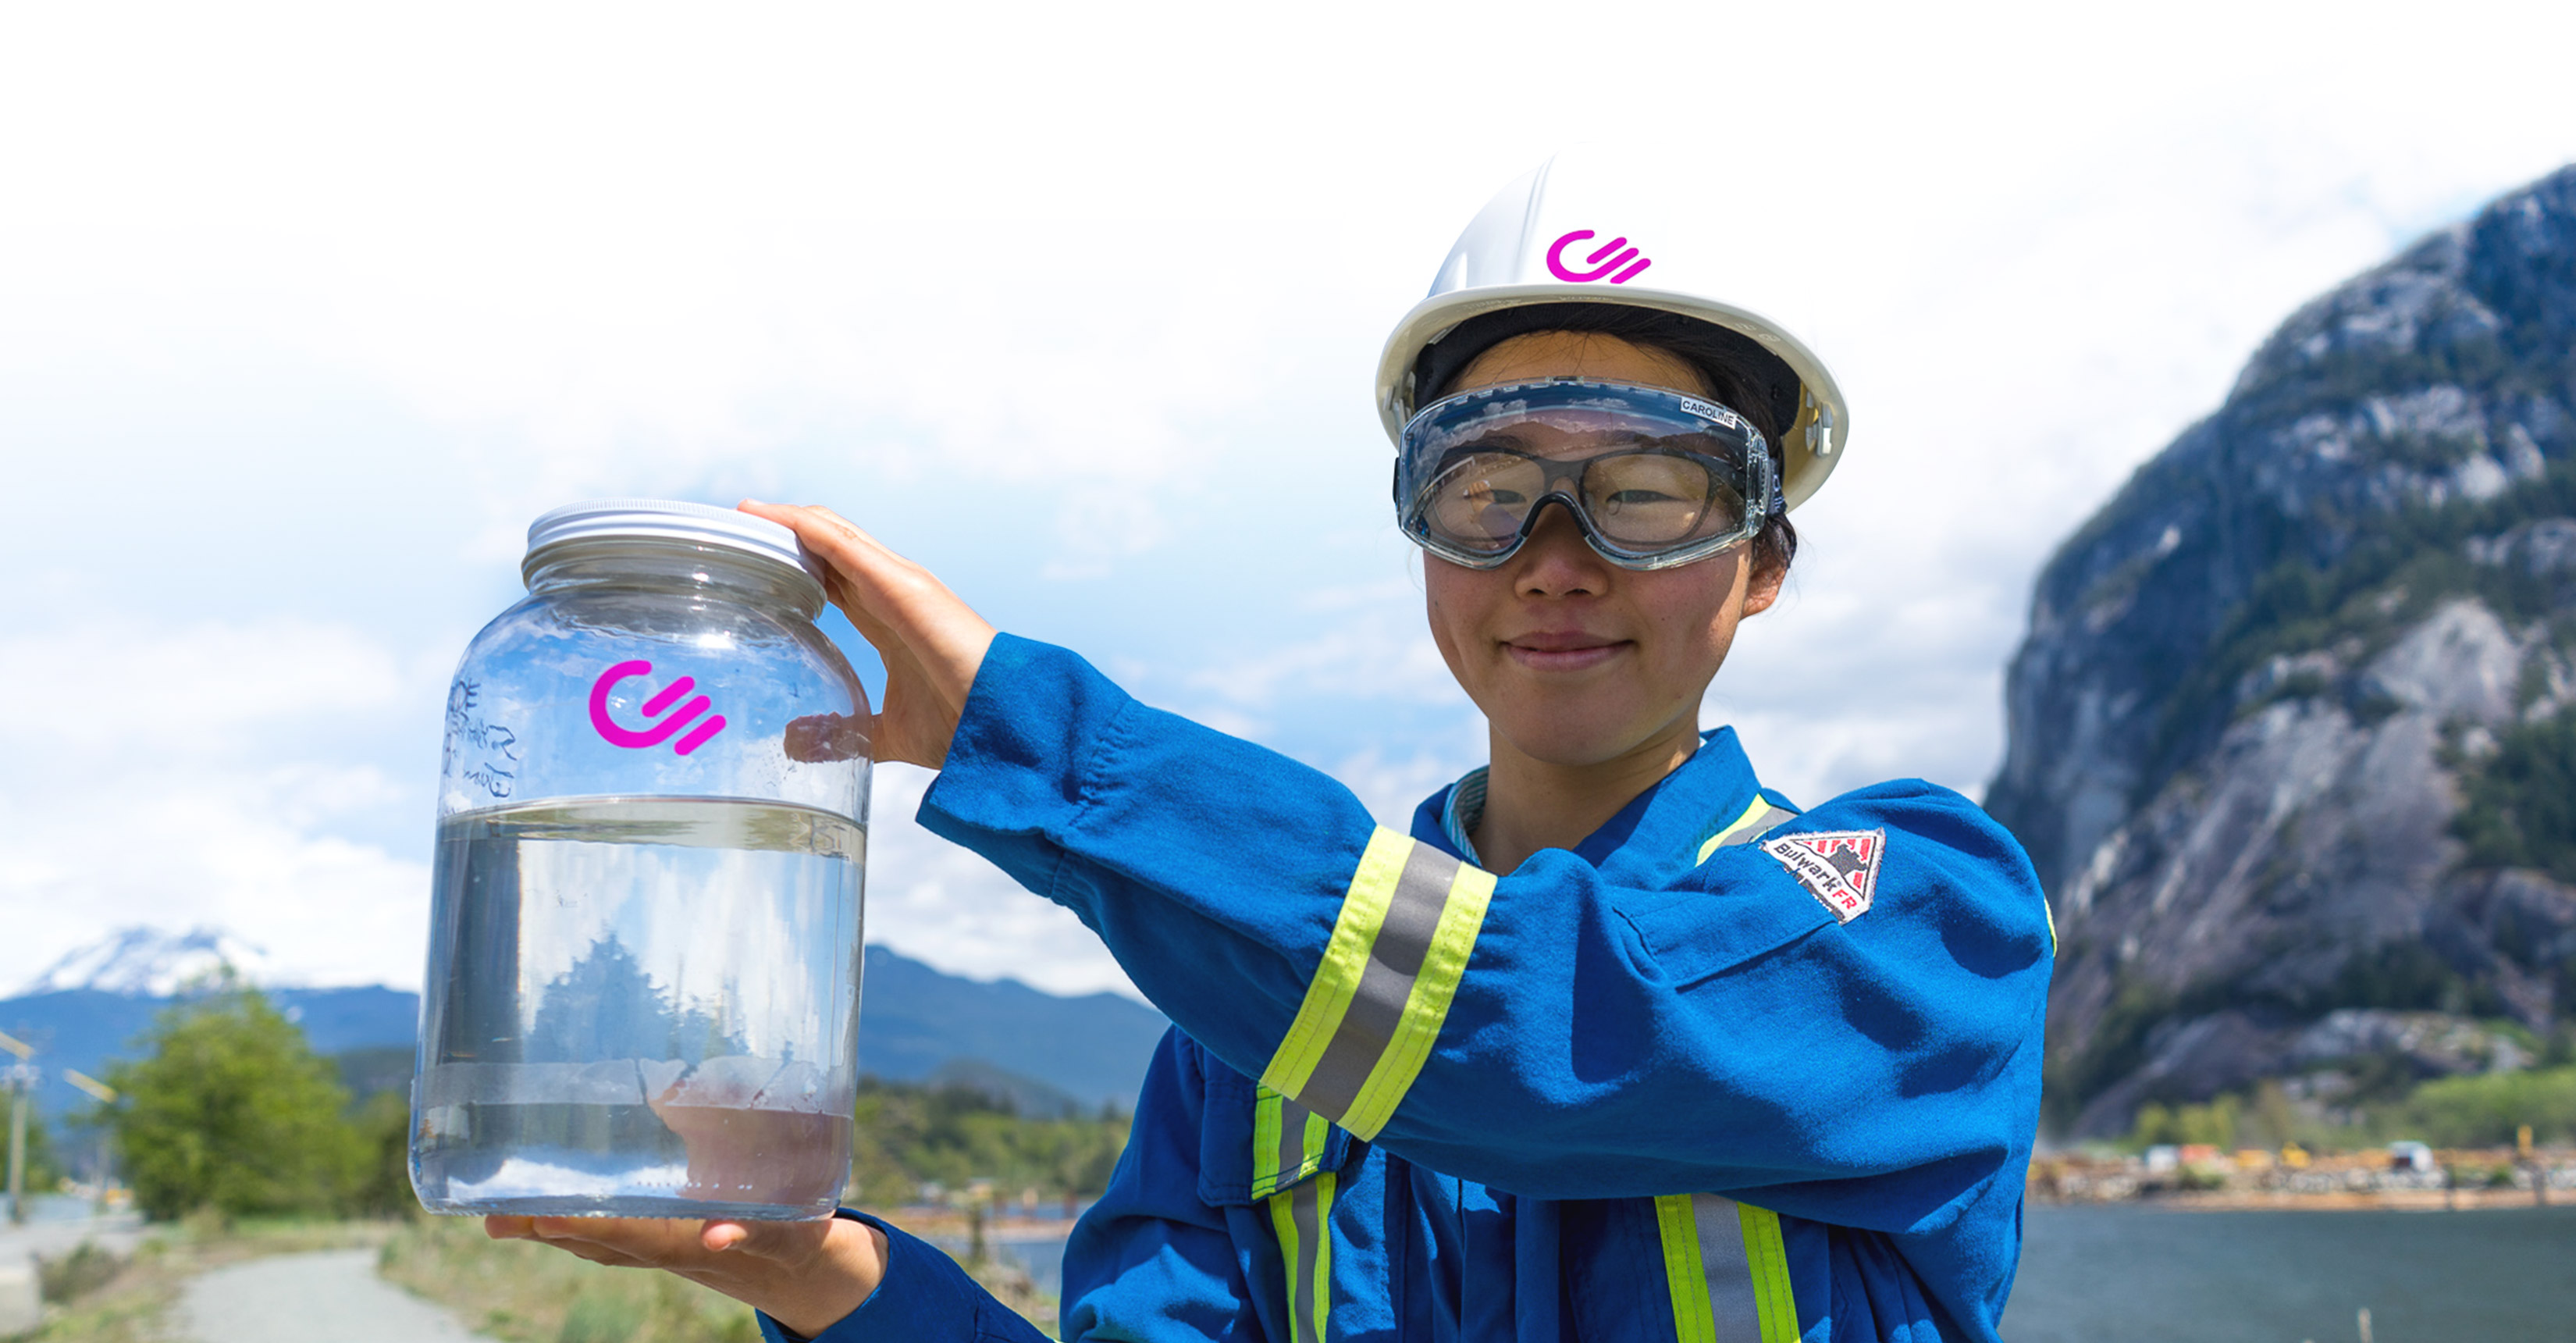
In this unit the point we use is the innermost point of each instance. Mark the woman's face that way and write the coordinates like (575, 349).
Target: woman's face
(1574, 660)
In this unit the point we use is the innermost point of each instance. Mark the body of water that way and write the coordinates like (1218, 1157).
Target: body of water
(2131, 1274)
(2139, 1274)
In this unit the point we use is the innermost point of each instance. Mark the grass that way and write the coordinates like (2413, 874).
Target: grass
(511, 1290)
(529, 1293)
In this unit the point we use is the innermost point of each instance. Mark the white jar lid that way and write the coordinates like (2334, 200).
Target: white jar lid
(668, 520)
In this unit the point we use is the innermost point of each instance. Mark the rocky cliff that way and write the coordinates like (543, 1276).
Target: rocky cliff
(2292, 739)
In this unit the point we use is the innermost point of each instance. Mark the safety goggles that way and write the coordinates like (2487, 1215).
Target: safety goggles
(1653, 477)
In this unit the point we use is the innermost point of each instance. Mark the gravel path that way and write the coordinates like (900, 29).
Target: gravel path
(332, 1296)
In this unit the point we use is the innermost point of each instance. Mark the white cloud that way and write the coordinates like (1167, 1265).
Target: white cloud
(188, 777)
(948, 908)
(1376, 648)
(111, 691)
(1391, 786)
(241, 850)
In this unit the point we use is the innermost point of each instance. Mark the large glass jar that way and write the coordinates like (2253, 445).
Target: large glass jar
(643, 981)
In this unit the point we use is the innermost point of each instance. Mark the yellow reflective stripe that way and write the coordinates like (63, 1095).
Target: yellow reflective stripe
(1303, 1220)
(1717, 841)
(1426, 1009)
(1265, 1144)
(1337, 976)
(1759, 818)
(1287, 1142)
(1321, 1192)
(2046, 909)
(1683, 1277)
(1768, 1258)
(1287, 1146)
(1283, 1220)
(1725, 1270)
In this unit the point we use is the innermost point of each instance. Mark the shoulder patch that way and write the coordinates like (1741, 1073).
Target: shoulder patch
(1838, 867)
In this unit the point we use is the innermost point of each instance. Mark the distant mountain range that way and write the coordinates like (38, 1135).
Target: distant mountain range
(915, 1024)
(2293, 737)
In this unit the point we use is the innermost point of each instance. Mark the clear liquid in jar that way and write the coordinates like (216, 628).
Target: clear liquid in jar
(640, 1007)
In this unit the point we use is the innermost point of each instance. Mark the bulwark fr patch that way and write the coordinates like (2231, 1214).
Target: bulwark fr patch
(1838, 867)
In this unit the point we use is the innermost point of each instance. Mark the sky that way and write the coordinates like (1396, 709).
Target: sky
(306, 311)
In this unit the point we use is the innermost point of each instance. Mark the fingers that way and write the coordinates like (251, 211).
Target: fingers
(807, 1275)
(659, 1243)
(767, 1240)
(853, 554)
(886, 586)
(620, 1242)
(932, 643)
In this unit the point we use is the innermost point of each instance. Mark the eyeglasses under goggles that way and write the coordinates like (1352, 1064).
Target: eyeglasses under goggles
(1653, 477)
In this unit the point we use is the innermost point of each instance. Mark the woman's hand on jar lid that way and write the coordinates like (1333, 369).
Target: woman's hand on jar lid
(805, 1275)
(931, 642)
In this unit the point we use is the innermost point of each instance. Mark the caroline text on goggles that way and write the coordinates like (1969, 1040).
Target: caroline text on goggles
(1653, 477)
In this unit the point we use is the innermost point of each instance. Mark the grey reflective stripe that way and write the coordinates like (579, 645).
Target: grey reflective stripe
(1711, 1276)
(1377, 1006)
(1729, 1271)
(1757, 820)
(1306, 1324)
(1288, 1144)
(1292, 1142)
(1761, 825)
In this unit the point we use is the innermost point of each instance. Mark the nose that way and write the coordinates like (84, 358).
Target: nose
(1556, 561)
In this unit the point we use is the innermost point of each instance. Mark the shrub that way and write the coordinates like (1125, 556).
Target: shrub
(383, 1187)
(231, 1111)
(2520, 805)
(2484, 1111)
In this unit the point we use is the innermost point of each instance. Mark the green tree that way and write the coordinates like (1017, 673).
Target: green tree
(2274, 1122)
(383, 1187)
(907, 1134)
(232, 1110)
(2520, 805)
(2214, 1124)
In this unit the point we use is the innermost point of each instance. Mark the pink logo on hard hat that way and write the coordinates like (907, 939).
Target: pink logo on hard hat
(659, 732)
(1556, 260)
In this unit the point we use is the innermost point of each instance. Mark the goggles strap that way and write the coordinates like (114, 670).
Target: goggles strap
(1445, 357)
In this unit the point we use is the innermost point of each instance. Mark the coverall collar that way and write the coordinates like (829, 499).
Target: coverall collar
(1670, 818)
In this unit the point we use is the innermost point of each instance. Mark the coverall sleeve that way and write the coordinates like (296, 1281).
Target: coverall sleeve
(924, 1295)
(1549, 1033)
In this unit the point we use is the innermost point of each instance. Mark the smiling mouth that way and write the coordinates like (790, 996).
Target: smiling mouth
(1562, 652)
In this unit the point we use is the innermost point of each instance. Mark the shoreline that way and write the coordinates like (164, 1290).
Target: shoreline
(2252, 1179)
(2285, 1200)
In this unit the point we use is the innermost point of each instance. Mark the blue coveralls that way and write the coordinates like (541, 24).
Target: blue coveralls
(1652, 1089)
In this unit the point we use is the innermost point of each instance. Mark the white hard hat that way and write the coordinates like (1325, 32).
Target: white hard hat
(1578, 229)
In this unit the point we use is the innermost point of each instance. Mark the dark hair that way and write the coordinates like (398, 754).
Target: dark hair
(1735, 369)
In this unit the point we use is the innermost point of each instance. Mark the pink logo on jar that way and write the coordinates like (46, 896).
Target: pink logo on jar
(659, 732)
(1600, 268)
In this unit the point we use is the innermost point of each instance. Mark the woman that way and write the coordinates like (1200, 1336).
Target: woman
(1616, 1044)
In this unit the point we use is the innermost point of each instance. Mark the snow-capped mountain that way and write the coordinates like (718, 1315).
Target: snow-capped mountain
(145, 962)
